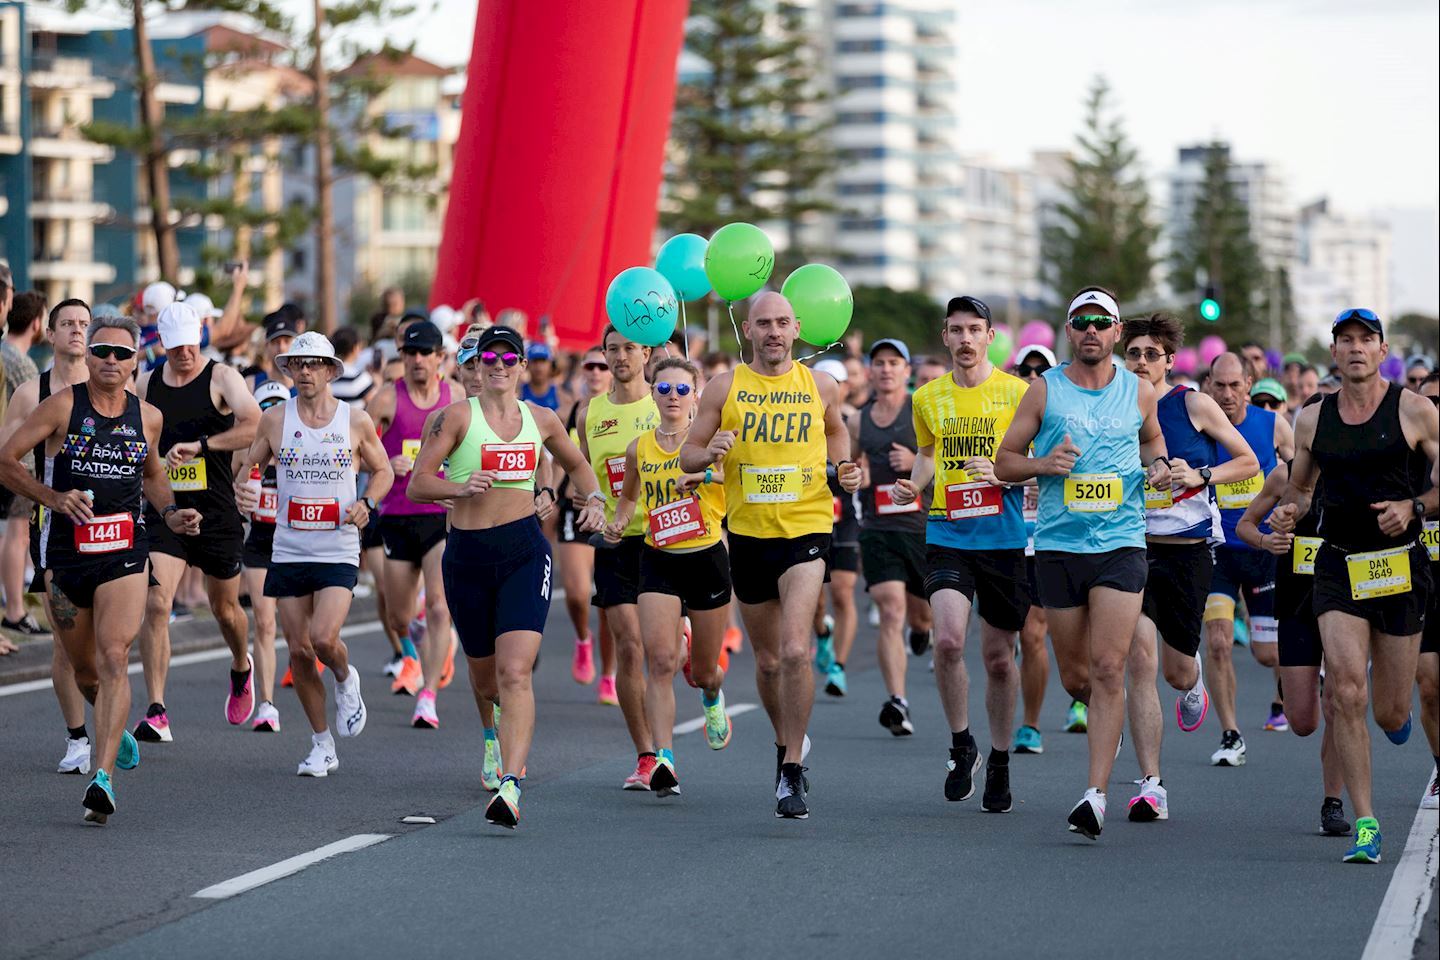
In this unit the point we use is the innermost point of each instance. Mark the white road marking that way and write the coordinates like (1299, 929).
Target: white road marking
(257, 878)
(200, 656)
(1408, 898)
(690, 726)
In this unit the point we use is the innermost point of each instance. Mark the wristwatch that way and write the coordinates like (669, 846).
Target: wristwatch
(204, 445)
(1418, 506)
(369, 504)
(1205, 475)
(169, 509)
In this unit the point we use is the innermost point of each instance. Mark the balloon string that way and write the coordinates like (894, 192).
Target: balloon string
(812, 356)
(739, 344)
(684, 331)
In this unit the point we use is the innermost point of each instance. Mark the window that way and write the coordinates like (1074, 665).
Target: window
(860, 189)
(862, 117)
(863, 153)
(404, 212)
(871, 81)
(860, 46)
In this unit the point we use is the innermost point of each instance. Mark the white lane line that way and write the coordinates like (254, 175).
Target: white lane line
(184, 659)
(690, 726)
(257, 878)
(1408, 898)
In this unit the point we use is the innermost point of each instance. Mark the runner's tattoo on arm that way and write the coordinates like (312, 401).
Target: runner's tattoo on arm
(438, 423)
(62, 607)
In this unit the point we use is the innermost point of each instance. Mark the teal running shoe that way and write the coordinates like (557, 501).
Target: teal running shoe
(490, 768)
(1242, 633)
(824, 653)
(1367, 842)
(835, 680)
(1028, 740)
(128, 756)
(1078, 719)
(504, 809)
(717, 724)
(663, 779)
(99, 798)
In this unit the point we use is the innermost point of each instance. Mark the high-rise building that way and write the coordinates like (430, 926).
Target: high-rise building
(1344, 262)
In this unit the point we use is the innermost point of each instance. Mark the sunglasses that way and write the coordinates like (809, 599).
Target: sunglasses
(490, 358)
(1267, 403)
(681, 389)
(1358, 313)
(306, 363)
(1149, 356)
(1415, 381)
(597, 365)
(104, 351)
(270, 403)
(419, 351)
(1097, 320)
(1031, 369)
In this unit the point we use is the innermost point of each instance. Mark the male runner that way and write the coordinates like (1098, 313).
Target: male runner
(892, 535)
(775, 423)
(317, 442)
(576, 555)
(835, 635)
(975, 543)
(1428, 671)
(1096, 442)
(208, 413)
(259, 544)
(414, 533)
(1238, 566)
(1372, 443)
(101, 445)
(607, 425)
(541, 388)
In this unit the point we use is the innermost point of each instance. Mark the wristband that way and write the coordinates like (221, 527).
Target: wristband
(204, 445)
(596, 495)
(1165, 460)
(710, 474)
(369, 504)
(549, 490)
(169, 509)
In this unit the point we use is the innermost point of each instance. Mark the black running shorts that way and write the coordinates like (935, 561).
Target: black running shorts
(758, 563)
(889, 555)
(216, 550)
(407, 538)
(497, 581)
(700, 579)
(1399, 614)
(79, 579)
(1176, 585)
(1066, 579)
(996, 577)
(617, 573)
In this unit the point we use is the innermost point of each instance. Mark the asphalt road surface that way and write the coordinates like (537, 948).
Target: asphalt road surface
(883, 867)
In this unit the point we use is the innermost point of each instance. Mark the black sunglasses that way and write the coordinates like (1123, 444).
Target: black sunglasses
(1149, 356)
(1031, 369)
(1268, 403)
(419, 351)
(1087, 320)
(104, 351)
(597, 365)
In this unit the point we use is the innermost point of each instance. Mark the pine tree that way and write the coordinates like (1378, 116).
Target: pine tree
(1102, 232)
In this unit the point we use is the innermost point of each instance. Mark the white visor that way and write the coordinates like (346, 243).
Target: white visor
(1095, 298)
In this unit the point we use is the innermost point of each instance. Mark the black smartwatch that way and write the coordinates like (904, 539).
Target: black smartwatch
(369, 504)
(1418, 506)
(169, 509)
(204, 445)
(1205, 475)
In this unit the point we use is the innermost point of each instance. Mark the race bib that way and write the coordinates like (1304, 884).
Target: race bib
(1030, 503)
(615, 470)
(108, 534)
(1379, 573)
(964, 501)
(268, 508)
(1093, 492)
(1159, 499)
(885, 502)
(1302, 553)
(513, 461)
(307, 513)
(775, 484)
(1237, 495)
(411, 449)
(188, 477)
(676, 522)
(1430, 536)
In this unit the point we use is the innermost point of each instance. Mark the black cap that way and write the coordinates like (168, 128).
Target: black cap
(423, 334)
(284, 322)
(488, 337)
(968, 304)
(1368, 318)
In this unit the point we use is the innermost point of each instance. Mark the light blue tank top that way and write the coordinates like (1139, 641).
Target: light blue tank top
(1105, 425)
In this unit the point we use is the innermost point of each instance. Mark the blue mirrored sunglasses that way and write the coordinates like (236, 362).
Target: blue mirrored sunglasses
(681, 389)
(1358, 313)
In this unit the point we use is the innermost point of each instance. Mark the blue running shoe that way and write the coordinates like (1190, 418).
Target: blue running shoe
(835, 680)
(1398, 737)
(128, 756)
(99, 798)
(1367, 842)
(1028, 740)
(824, 653)
(1242, 633)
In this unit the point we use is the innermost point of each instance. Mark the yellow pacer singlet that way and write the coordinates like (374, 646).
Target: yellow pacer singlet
(775, 473)
(609, 428)
(683, 527)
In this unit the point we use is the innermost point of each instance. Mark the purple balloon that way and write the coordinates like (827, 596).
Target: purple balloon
(1273, 358)
(1185, 361)
(1037, 333)
(1392, 368)
(1210, 348)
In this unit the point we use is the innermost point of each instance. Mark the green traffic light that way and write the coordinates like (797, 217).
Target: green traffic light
(1210, 309)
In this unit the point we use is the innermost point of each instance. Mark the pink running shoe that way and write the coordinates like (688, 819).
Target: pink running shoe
(582, 667)
(640, 779)
(608, 695)
(240, 704)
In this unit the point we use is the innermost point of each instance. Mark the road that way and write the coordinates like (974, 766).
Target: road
(884, 866)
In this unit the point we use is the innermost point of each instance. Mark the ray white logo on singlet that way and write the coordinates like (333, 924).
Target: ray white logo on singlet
(775, 397)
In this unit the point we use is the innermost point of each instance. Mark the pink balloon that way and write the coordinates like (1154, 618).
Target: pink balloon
(1210, 348)
(1185, 359)
(1037, 333)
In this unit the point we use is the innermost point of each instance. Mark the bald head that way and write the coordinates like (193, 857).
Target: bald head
(1229, 365)
(771, 328)
(1230, 385)
(770, 305)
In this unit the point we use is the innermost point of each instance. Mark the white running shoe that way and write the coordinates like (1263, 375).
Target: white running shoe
(77, 756)
(425, 717)
(1151, 803)
(1231, 752)
(349, 706)
(322, 760)
(267, 719)
(1431, 800)
(1087, 817)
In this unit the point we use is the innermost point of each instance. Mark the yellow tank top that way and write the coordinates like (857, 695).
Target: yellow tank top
(692, 525)
(609, 428)
(775, 473)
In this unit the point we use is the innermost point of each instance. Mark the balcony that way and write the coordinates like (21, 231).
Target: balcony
(10, 140)
(65, 142)
(68, 203)
(72, 265)
(49, 72)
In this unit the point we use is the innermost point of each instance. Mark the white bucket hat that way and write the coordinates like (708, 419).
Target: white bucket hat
(311, 344)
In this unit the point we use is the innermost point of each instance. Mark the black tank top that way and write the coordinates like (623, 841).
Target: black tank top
(1293, 590)
(189, 415)
(104, 455)
(875, 443)
(1363, 464)
(43, 388)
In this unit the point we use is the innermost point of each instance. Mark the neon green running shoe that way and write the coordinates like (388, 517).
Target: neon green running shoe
(490, 769)
(1367, 842)
(1078, 719)
(717, 724)
(504, 809)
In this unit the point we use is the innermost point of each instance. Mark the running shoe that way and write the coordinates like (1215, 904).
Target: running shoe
(780, 760)
(663, 779)
(26, 626)
(1332, 818)
(824, 652)
(267, 719)
(288, 680)
(1431, 799)
(504, 809)
(717, 723)
(490, 766)
(608, 695)
(895, 717)
(963, 764)
(835, 683)
(685, 667)
(411, 678)
(321, 761)
(99, 798)
(127, 757)
(1028, 740)
(1192, 706)
(873, 616)
(640, 779)
(1398, 737)
(349, 706)
(734, 640)
(180, 613)
(447, 672)
(424, 717)
(1277, 722)
(1078, 719)
(790, 794)
(1367, 842)
(77, 756)
(1231, 752)
(1242, 633)
(155, 728)
(240, 703)
(919, 642)
(582, 665)
(996, 798)
(1087, 817)
(392, 668)
(1151, 803)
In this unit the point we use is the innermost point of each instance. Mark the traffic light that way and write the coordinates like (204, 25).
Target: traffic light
(1209, 306)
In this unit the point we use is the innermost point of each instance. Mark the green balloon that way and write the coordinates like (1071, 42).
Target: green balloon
(739, 260)
(822, 302)
(1001, 348)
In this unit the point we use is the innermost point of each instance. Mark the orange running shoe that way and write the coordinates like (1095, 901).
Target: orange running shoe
(448, 674)
(289, 679)
(410, 680)
(724, 660)
(734, 640)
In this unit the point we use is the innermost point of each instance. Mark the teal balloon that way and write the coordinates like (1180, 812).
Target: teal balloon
(642, 305)
(739, 260)
(822, 301)
(1001, 348)
(682, 262)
